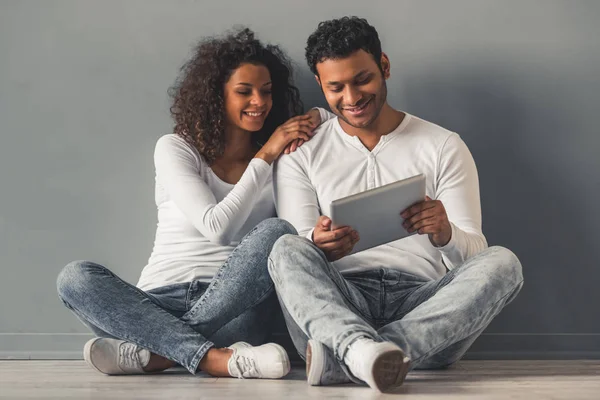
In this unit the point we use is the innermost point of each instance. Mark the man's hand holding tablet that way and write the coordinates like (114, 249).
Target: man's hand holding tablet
(428, 217)
(335, 243)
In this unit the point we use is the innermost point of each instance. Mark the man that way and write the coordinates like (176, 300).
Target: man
(419, 302)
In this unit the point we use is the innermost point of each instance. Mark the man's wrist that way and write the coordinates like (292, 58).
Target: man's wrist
(450, 241)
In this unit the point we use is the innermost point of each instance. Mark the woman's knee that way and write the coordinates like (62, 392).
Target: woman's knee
(274, 228)
(74, 277)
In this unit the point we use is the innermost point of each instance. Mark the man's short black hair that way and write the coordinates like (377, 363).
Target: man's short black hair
(338, 38)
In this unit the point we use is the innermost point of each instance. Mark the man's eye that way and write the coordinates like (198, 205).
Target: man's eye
(363, 81)
(336, 89)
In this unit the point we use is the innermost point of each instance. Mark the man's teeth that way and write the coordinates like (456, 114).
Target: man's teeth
(254, 114)
(354, 109)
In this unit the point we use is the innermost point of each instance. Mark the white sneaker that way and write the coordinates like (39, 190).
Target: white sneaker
(382, 365)
(268, 361)
(115, 357)
(321, 366)
(239, 345)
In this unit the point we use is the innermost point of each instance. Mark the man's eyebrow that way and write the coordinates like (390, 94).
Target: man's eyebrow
(333, 83)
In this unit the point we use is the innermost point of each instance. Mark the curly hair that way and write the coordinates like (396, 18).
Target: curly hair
(198, 93)
(338, 38)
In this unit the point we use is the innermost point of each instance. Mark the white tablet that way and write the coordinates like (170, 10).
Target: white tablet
(375, 213)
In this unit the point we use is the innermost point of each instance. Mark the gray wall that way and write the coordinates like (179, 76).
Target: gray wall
(83, 99)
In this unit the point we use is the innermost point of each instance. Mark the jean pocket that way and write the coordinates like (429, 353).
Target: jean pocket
(170, 297)
(195, 292)
(411, 278)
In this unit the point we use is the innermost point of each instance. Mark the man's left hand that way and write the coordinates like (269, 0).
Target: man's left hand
(428, 217)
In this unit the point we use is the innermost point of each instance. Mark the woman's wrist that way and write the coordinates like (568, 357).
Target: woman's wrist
(315, 116)
(263, 155)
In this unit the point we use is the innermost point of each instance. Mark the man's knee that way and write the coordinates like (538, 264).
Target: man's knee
(287, 245)
(506, 264)
(503, 271)
(283, 250)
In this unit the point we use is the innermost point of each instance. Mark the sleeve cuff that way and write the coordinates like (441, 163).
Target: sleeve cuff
(259, 164)
(451, 245)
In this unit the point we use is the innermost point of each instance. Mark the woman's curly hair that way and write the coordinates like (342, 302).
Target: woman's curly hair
(198, 94)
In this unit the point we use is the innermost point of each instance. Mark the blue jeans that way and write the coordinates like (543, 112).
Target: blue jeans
(181, 322)
(434, 322)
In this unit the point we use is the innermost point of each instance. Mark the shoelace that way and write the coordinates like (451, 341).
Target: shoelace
(128, 356)
(244, 365)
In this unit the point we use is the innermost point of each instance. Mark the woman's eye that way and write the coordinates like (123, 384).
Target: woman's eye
(244, 93)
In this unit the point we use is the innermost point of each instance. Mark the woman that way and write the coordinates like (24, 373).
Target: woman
(206, 284)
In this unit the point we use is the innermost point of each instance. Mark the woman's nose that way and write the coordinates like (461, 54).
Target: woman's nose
(258, 100)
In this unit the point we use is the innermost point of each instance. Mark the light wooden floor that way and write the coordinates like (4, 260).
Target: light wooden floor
(531, 380)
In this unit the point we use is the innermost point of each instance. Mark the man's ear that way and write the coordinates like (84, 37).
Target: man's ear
(318, 80)
(385, 65)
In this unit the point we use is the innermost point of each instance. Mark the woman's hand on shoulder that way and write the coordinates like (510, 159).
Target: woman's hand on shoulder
(315, 119)
(296, 128)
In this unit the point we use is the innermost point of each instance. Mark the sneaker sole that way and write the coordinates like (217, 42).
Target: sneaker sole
(389, 370)
(314, 370)
(87, 351)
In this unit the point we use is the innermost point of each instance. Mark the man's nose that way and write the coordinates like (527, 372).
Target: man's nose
(351, 96)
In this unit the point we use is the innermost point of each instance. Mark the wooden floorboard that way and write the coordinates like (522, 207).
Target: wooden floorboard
(529, 380)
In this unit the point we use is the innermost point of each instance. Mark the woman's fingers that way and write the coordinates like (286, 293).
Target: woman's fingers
(295, 126)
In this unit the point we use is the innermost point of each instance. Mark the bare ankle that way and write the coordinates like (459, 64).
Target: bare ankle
(215, 362)
(158, 363)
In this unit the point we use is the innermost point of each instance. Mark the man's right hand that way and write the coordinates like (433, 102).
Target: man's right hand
(335, 243)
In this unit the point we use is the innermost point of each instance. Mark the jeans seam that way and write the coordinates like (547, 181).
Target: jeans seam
(382, 296)
(188, 296)
(446, 343)
(216, 279)
(342, 291)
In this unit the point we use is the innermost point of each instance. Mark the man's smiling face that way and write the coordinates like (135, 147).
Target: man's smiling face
(354, 87)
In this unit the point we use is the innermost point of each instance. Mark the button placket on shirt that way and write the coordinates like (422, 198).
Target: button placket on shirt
(371, 171)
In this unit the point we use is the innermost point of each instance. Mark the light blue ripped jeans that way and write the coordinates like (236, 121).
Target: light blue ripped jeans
(434, 322)
(182, 321)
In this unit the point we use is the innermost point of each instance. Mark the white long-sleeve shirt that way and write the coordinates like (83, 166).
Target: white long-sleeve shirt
(334, 164)
(201, 219)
